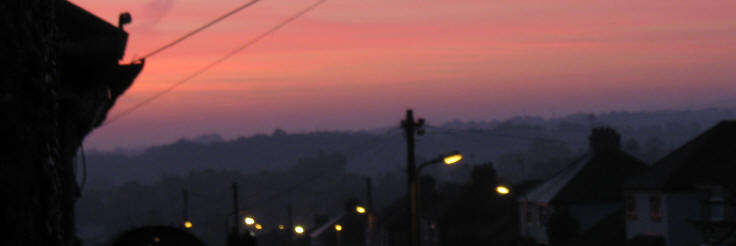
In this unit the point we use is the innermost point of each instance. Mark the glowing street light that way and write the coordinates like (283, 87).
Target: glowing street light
(249, 220)
(448, 159)
(281, 227)
(299, 229)
(259, 227)
(338, 227)
(502, 190)
(453, 159)
(360, 209)
(188, 224)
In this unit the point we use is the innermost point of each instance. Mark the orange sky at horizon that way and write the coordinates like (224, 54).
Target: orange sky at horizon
(359, 64)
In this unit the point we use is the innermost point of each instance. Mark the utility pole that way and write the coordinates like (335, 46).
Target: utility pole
(236, 211)
(186, 205)
(289, 218)
(371, 222)
(524, 223)
(369, 192)
(337, 237)
(410, 128)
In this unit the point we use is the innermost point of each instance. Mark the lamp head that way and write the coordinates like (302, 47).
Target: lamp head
(452, 159)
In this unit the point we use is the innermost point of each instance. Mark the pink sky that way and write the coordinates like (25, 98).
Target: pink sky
(353, 65)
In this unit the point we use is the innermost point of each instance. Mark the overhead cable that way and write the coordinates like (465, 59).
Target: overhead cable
(213, 64)
(195, 31)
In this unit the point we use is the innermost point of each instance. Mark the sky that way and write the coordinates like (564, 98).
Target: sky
(356, 64)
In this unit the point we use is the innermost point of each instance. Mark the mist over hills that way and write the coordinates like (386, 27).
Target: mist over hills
(542, 143)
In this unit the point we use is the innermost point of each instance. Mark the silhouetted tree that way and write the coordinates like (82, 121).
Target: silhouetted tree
(480, 216)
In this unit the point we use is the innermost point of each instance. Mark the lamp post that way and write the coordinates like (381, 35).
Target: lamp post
(448, 159)
(412, 127)
(338, 229)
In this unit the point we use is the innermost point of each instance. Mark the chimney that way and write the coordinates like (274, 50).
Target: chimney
(604, 139)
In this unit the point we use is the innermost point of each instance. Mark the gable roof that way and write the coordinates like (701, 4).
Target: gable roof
(545, 191)
(708, 158)
(596, 177)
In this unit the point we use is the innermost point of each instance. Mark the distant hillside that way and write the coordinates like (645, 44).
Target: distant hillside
(648, 135)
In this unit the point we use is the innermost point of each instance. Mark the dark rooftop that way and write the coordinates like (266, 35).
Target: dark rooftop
(596, 177)
(708, 158)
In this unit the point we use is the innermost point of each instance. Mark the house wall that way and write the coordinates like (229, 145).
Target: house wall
(534, 227)
(643, 223)
(678, 209)
(683, 208)
(589, 214)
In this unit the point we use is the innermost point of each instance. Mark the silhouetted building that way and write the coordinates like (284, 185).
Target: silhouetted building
(91, 79)
(62, 78)
(587, 190)
(688, 196)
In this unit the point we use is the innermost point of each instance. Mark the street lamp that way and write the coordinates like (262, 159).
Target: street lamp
(338, 229)
(453, 159)
(299, 229)
(249, 220)
(360, 209)
(188, 224)
(412, 127)
(448, 159)
(259, 227)
(502, 190)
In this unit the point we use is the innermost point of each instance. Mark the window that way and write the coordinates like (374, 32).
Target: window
(717, 211)
(630, 203)
(716, 207)
(543, 215)
(655, 208)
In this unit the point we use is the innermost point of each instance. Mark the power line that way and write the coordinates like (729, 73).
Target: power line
(195, 31)
(503, 135)
(214, 63)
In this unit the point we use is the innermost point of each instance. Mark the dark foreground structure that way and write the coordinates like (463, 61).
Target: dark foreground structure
(60, 76)
(157, 235)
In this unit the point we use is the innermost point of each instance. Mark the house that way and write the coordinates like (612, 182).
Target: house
(588, 190)
(687, 197)
(90, 79)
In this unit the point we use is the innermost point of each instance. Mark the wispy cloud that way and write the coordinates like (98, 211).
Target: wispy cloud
(152, 13)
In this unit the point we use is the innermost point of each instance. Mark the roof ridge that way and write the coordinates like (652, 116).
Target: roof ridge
(669, 166)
